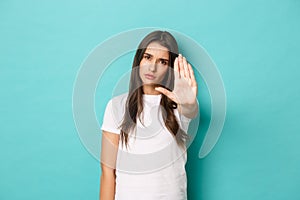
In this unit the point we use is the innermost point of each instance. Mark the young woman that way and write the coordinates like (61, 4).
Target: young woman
(143, 151)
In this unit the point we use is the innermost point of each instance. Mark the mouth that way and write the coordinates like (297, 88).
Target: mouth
(149, 77)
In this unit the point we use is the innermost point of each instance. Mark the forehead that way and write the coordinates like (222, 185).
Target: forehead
(157, 49)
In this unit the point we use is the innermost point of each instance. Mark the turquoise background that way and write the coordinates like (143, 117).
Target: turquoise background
(255, 45)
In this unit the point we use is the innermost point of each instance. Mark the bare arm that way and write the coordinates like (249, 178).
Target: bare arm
(189, 110)
(109, 150)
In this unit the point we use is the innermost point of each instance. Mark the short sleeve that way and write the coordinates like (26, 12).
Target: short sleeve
(111, 119)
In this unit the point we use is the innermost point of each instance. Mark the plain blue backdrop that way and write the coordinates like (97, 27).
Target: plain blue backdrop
(255, 45)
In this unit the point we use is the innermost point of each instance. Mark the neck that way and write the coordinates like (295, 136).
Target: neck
(149, 89)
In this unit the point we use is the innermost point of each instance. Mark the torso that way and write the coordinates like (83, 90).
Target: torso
(153, 168)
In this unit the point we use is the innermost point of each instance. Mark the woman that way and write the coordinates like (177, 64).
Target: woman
(144, 131)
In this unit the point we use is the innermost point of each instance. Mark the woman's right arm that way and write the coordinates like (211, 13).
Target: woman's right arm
(109, 151)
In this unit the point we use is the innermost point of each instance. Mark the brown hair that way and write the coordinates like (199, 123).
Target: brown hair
(134, 102)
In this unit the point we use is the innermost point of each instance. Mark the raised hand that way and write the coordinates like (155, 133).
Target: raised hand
(185, 86)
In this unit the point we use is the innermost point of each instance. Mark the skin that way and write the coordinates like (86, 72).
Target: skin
(185, 88)
(109, 149)
(155, 63)
(153, 68)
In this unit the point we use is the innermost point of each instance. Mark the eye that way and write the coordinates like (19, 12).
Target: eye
(147, 57)
(164, 62)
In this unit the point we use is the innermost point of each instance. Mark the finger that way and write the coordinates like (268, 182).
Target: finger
(164, 91)
(185, 66)
(176, 68)
(194, 83)
(180, 65)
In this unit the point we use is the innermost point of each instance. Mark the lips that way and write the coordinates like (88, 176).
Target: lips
(149, 76)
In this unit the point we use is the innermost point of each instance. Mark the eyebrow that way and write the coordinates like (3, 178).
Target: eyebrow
(162, 59)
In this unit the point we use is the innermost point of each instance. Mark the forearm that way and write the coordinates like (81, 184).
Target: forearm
(189, 110)
(107, 187)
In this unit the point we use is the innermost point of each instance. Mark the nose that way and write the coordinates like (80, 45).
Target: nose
(152, 66)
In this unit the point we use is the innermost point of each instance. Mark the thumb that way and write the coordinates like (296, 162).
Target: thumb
(166, 92)
(163, 91)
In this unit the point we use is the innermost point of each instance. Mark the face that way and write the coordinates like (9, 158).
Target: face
(154, 64)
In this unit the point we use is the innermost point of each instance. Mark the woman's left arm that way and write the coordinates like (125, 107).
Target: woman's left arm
(185, 88)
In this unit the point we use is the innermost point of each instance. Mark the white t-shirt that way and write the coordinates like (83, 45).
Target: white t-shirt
(153, 167)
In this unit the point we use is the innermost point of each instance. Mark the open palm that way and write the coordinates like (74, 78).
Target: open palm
(185, 85)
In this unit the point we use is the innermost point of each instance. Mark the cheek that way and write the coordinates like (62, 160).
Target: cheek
(143, 63)
(163, 72)
(141, 70)
(142, 66)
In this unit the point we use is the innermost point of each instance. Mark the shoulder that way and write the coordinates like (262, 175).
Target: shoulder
(114, 113)
(117, 104)
(119, 100)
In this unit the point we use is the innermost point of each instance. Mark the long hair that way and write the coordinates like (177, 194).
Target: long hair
(134, 102)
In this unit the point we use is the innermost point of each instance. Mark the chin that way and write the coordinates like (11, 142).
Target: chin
(149, 82)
